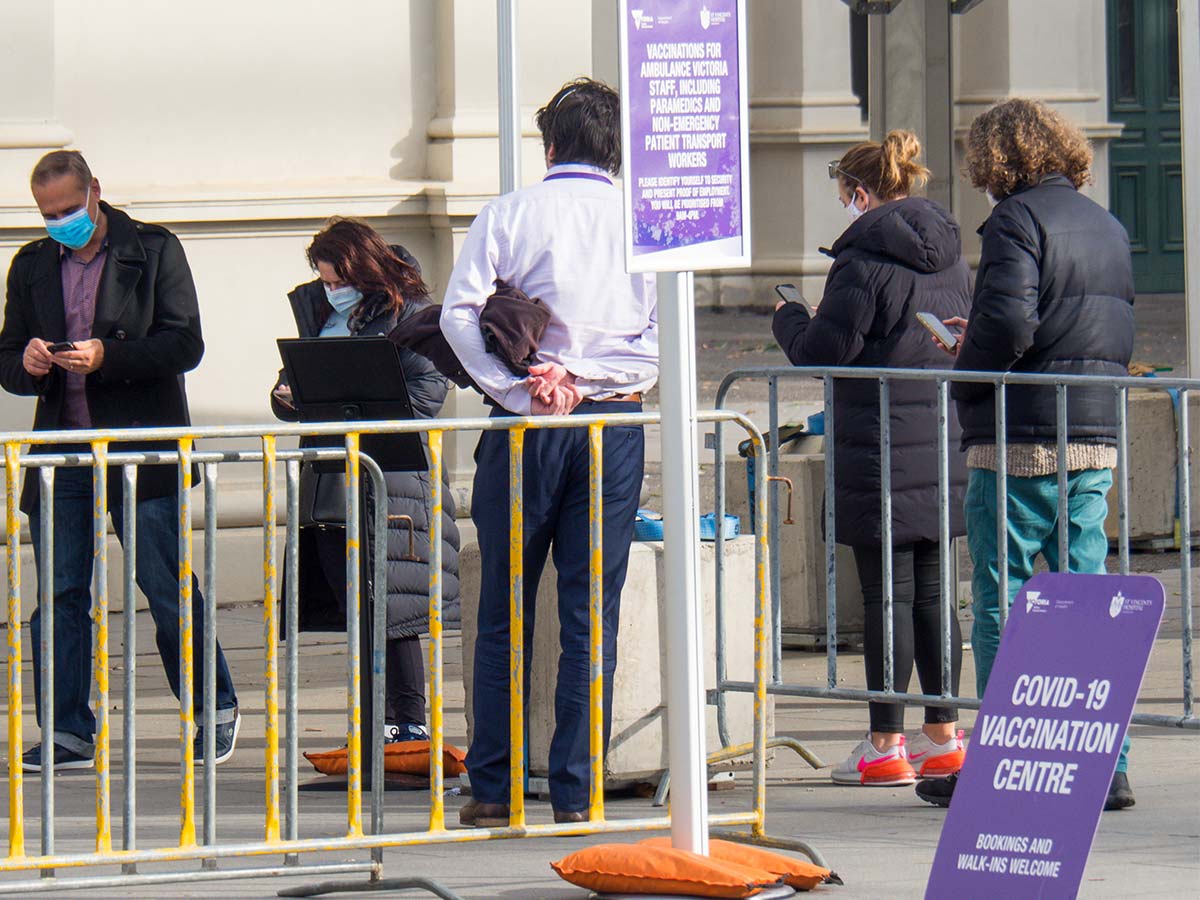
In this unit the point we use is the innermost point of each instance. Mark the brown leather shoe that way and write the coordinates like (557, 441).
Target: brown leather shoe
(563, 817)
(484, 815)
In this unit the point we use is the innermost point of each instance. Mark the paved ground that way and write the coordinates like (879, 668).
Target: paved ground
(882, 841)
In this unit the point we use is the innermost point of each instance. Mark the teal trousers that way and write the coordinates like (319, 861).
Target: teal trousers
(1032, 530)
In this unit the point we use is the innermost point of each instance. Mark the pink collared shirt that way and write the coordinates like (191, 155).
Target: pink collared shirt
(80, 284)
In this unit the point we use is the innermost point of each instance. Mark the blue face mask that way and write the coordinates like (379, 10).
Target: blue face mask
(343, 299)
(73, 230)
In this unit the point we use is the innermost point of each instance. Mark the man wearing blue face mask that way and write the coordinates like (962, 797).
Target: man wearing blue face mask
(100, 324)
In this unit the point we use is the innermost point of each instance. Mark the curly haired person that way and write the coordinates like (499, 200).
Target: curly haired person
(1053, 295)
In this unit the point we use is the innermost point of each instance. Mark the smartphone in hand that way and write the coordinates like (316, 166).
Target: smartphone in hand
(60, 347)
(940, 332)
(789, 293)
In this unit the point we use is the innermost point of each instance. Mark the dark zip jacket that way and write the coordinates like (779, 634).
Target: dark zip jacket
(895, 261)
(1054, 294)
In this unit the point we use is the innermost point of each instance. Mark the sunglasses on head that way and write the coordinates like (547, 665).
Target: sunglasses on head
(835, 169)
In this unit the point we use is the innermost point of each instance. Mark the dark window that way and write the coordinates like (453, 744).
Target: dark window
(859, 77)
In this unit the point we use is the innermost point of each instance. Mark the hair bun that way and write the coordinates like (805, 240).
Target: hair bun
(901, 147)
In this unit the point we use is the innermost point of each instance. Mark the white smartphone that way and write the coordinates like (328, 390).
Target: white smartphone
(941, 333)
(789, 293)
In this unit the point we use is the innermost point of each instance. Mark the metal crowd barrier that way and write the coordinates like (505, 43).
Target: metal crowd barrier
(285, 840)
(1061, 384)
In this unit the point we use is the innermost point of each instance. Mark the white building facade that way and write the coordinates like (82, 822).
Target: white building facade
(243, 125)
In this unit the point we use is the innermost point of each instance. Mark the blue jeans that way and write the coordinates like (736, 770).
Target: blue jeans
(556, 517)
(1032, 530)
(157, 576)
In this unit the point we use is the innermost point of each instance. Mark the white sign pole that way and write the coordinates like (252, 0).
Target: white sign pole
(681, 562)
(685, 159)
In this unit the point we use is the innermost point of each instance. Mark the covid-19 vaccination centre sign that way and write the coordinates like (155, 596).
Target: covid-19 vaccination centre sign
(1047, 737)
(687, 197)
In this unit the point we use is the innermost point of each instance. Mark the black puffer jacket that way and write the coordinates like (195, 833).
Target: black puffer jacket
(1054, 294)
(409, 493)
(895, 261)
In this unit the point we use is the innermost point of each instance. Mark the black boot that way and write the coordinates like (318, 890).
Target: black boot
(1120, 794)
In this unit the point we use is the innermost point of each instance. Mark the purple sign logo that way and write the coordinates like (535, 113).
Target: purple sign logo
(1047, 737)
(685, 140)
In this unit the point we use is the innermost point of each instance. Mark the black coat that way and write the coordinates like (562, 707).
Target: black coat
(1054, 294)
(147, 317)
(409, 493)
(895, 261)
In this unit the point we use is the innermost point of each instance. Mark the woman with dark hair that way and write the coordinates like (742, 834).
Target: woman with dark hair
(901, 255)
(1054, 295)
(365, 288)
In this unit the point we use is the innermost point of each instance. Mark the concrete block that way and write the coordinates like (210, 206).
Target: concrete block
(638, 749)
(1153, 453)
(802, 550)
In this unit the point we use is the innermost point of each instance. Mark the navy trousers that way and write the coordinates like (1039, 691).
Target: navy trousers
(157, 576)
(556, 520)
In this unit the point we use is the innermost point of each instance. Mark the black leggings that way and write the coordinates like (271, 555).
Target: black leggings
(405, 681)
(405, 675)
(916, 630)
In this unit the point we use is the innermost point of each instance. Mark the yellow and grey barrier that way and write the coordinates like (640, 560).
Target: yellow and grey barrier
(281, 835)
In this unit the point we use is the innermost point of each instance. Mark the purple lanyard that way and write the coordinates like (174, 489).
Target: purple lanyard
(588, 175)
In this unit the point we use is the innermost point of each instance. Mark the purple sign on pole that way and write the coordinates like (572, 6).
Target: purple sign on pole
(686, 138)
(1047, 737)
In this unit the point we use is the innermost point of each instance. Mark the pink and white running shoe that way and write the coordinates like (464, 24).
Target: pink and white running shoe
(932, 760)
(869, 767)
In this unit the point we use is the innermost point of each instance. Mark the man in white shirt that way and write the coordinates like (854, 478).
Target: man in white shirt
(560, 241)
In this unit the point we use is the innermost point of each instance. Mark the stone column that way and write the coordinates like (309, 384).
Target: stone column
(910, 74)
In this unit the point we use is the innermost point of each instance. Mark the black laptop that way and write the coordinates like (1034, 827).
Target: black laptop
(353, 379)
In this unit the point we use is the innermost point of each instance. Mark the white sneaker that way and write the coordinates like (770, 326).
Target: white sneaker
(869, 767)
(931, 760)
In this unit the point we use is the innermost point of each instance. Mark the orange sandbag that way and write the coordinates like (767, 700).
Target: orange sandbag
(800, 874)
(644, 869)
(405, 757)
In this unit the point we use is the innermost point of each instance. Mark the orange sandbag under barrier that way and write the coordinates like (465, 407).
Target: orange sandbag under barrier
(645, 869)
(405, 757)
(797, 873)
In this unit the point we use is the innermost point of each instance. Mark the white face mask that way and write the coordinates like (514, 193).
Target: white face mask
(852, 210)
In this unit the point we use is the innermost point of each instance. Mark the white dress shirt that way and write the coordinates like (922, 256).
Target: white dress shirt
(561, 241)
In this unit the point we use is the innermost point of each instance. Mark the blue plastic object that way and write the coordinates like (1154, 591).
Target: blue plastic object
(816, 423)
(708, 527)
(648, 526)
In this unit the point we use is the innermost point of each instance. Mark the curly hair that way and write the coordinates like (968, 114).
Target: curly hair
(1018, 142)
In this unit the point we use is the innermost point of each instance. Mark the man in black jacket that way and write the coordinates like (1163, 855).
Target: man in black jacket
(1053, 295)
(100, 324)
